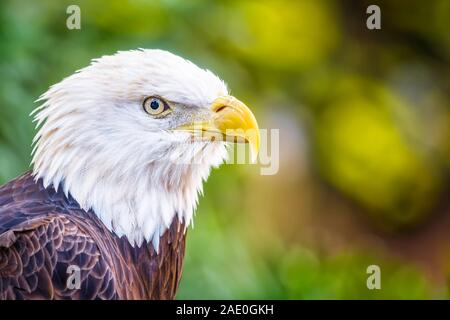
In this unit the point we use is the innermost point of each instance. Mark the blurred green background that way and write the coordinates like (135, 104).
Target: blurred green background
(364, 119)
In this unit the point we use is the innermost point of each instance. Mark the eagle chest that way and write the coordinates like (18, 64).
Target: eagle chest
(52, 249)
(146, 274)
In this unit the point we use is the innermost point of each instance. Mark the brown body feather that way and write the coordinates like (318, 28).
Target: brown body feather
(43, 232)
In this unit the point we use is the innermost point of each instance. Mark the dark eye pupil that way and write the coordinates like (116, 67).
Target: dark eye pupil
(154, 104)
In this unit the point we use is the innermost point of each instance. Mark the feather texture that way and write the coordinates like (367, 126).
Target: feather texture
(43, 232)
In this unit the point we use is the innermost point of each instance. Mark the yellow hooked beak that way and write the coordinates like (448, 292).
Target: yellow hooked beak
(231, 121)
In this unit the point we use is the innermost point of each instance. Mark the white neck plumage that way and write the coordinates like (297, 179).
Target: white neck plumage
(133, 193)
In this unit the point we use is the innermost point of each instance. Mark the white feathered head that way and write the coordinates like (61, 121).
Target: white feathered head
(133, 136)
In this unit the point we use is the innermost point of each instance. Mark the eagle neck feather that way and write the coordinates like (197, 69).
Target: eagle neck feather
(132, 193)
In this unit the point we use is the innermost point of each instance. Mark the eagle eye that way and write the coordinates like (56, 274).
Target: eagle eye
(155, 106)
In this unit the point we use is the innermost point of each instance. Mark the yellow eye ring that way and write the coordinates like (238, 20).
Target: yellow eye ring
(155, 106)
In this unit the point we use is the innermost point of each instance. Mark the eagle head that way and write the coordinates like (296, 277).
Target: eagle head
(133, 136)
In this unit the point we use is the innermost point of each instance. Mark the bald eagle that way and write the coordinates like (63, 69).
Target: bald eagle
(119, 159)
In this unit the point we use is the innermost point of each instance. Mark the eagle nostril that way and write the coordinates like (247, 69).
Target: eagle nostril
(220, 109)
